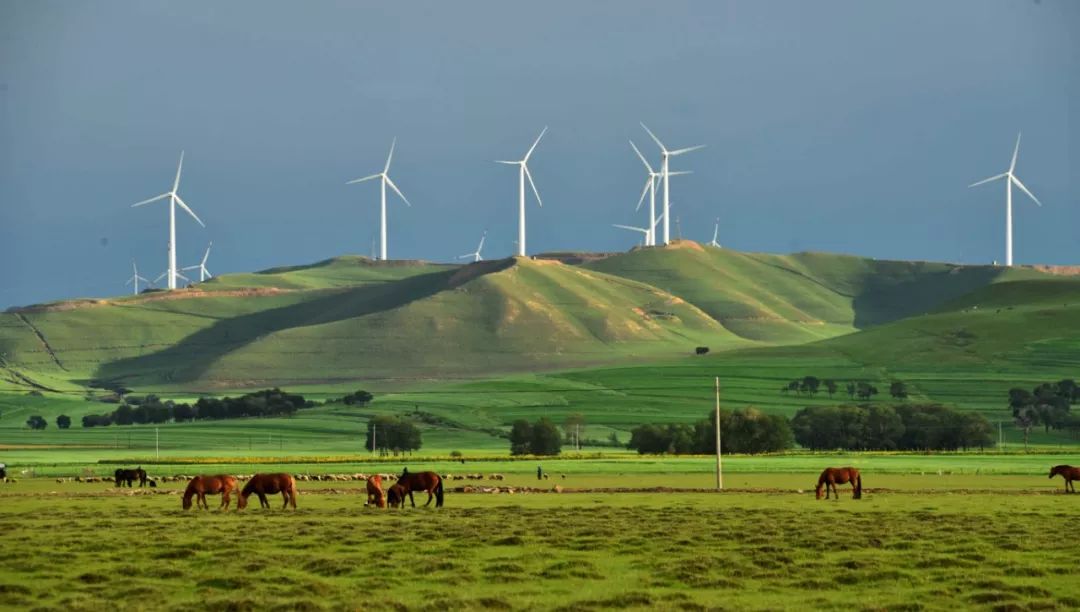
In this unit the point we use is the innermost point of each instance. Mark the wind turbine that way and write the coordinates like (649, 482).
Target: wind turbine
(385, 180)
(174, 199)
(646, 232)
(476, 256)
(715, 233)
(650, 188)
(1010, 179)
(203, 272)
(523, 173)
(177, 274)
(665, 172)
(135, 278)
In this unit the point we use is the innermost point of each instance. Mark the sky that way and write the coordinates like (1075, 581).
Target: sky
(844, 126)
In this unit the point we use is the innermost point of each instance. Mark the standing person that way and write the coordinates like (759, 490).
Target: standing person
(539, 473)
(3, 472)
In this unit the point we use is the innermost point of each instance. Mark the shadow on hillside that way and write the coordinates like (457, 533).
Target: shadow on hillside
(190, 358)
(884, 298)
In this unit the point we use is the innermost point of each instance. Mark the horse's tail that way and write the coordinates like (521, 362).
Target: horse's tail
(439, 493)
(858, 486)
(292, 492)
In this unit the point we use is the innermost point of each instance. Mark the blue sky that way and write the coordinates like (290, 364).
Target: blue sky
(834, 126)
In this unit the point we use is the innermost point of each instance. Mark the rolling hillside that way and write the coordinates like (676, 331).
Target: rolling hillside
(350, 318)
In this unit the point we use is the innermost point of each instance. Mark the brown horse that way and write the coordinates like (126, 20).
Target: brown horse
(395, 496)
(834, 476)
(1069, 473)
(269, 484)
(199, 486)
(375, 496)
(420, 481)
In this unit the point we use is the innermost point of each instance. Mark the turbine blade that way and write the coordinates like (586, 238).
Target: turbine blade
(655, 139)
(542, 132)
(207, 272)
(631, 228)
(679, 172)
(1017, 182)
(992, 178)
(207, 254)
(686, 150)
(191, 268)
(481, 247)
(645, 190)
(130, 280)
(465, 256)
(183, 277)
(1016, 151)
(153, 199)
(528, 175)
(179, 167)
(641, 157)
(391, 156)
(189, 211)
(161, 276)
(396, 190)
(509, 163)
(366, 178)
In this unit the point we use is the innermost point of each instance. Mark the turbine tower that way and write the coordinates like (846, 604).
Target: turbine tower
(476, 255)
(1010, 179)
(135, 278)
(715, 233)
(203, 272)
(665, 172)
(385, 180)
(523, 173)
(650, 188)
(174, 199)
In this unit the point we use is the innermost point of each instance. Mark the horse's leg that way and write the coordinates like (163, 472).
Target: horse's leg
(285, 496)
(430, 496)
(411, 500)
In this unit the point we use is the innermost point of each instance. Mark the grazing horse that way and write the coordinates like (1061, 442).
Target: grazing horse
(199, 486)
(419, 481)
(375, 495)
(124, 476)
(395, 496)
(833, 476)
(1069, 473)
(269, 484)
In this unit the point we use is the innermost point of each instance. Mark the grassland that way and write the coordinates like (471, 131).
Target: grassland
(77, 548)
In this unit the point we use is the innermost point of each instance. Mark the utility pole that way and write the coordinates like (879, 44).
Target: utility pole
(374, 431)
(157, 444)
(719, 465)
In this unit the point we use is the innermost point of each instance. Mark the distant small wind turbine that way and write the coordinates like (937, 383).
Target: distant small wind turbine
(203, 272)
(523, 173)
(476, 255)
(643, 230)
(715, 234)
(1010, 179)
(174, 199)
(177, 274)
(650, 188)
(135, 278)
(665, 172)
(385, 180)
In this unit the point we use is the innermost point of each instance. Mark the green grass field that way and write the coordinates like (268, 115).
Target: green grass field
(77, 546)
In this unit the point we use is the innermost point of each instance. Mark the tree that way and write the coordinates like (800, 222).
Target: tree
(810, 384)
(393, 435)
(1025, 416)
(63, 421)
(521, 437)
(830, 386)
(545, 438)
(865, 390)
(573, 425)
(36, 422)
(898, 390)
(360, 398)
(850, 388)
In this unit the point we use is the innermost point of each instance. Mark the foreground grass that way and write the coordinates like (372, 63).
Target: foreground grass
(99, 549)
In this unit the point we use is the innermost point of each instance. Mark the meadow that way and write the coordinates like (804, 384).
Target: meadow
(74, 546)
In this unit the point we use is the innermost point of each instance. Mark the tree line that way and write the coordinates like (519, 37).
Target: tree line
(539, 438)
(746, 431)
(811, 385)
(152, 409)
(902, 427)
(392, 435)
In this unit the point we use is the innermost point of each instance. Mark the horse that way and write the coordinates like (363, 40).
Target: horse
(833, 476)
(268, 484)
(395, 496)
(123, 476)
(199, 486)
(1069, 473)
(420, 481)
(375, 494)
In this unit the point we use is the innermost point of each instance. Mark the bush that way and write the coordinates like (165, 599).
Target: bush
(36, 422)
(701, 350)
(747, 431)
(63, 421)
